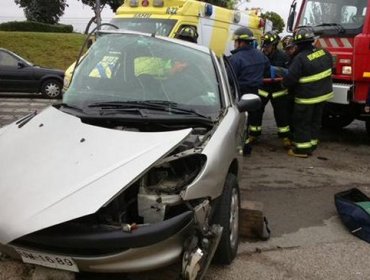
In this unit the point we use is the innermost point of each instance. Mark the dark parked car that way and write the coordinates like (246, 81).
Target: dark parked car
(19, 75)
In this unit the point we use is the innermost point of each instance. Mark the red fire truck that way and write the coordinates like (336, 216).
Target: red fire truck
(343, 28)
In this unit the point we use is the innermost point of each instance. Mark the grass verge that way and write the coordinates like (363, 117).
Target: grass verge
(54, 50)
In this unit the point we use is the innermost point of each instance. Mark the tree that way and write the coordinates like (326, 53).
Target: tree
(277, 22)
(113, 4)
(45, 11)
(230, 4)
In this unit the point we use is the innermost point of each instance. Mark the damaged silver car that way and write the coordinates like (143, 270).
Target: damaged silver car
(136, 169)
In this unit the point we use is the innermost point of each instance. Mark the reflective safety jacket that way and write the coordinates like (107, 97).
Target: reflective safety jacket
(104, 68)
(278, 61)
(250, 66)
(309, 76)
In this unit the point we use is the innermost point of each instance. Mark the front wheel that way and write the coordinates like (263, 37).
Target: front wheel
(227, 215)
(51, 89)
(336, 116)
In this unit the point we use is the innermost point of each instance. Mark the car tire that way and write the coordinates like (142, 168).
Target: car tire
(51, 89)
(227, 215)
(336, 116)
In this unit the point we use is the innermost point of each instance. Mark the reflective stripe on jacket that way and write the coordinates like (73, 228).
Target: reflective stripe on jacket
(275, 90)
(276, 94)
(309, 76)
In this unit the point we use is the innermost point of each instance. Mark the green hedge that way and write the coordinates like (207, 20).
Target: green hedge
(32, 26)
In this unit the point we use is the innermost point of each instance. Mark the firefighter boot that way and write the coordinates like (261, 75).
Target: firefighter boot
(247, 149)
(287, 143)
(251, 140)
(293, 153)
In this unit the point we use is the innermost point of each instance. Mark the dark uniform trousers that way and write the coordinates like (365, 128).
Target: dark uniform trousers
(307, 124)
(280, 102)
(278, 96)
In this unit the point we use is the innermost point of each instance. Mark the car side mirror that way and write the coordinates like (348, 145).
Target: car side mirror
(291, 17)
(21, 64)
(249, 102)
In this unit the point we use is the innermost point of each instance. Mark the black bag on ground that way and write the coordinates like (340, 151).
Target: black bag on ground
(353, 208)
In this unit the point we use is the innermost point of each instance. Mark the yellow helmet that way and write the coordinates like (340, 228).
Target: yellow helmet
(187, 33)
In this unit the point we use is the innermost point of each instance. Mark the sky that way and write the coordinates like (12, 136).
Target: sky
(78, 14)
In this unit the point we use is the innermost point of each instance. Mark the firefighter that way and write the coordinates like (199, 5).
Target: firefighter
(288, 46)
(309, 78)
(249, 65)
(290, 49)
(273, 91)
(187, 33)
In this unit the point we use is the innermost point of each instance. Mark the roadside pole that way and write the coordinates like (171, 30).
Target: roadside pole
(98, 13)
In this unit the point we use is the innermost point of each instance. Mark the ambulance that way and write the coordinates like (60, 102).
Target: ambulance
(214, 25)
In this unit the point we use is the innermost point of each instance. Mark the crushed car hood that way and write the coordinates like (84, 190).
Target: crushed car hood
(56, 168)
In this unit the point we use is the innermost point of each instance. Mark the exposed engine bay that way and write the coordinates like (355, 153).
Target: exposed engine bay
(152, 198)
(155, 196)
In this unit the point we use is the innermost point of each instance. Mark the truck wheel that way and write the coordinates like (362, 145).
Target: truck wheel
(227, 215)
(336, 116)
(368, 127)
(51, 89)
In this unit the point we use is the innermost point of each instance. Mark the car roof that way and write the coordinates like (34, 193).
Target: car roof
(173, 40)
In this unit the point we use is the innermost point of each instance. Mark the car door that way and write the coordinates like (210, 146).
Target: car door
(15, 74)
(235, 95)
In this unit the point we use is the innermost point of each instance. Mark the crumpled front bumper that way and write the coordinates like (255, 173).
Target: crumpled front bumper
(146, 248)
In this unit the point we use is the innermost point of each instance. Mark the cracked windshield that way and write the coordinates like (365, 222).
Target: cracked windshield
(122, 68)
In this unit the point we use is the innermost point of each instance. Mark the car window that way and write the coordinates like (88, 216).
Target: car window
(7, 59)
(123, 68)
(162, 27)
(349, 14)
(233, 82)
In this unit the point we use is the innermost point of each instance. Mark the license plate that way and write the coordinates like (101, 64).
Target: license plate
(53, 261)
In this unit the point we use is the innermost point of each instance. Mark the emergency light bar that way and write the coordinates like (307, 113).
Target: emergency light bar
(208, 10)
(158, 3)
(134, 3)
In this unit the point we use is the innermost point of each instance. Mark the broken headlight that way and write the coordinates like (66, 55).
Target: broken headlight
(173, 174)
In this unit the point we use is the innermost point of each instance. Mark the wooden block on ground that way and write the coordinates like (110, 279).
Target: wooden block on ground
(251, 219)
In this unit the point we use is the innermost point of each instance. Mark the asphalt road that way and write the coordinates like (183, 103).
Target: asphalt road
(308, 240)
(13, 108)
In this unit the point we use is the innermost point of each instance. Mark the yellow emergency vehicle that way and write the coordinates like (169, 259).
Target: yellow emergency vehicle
(214, 25)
